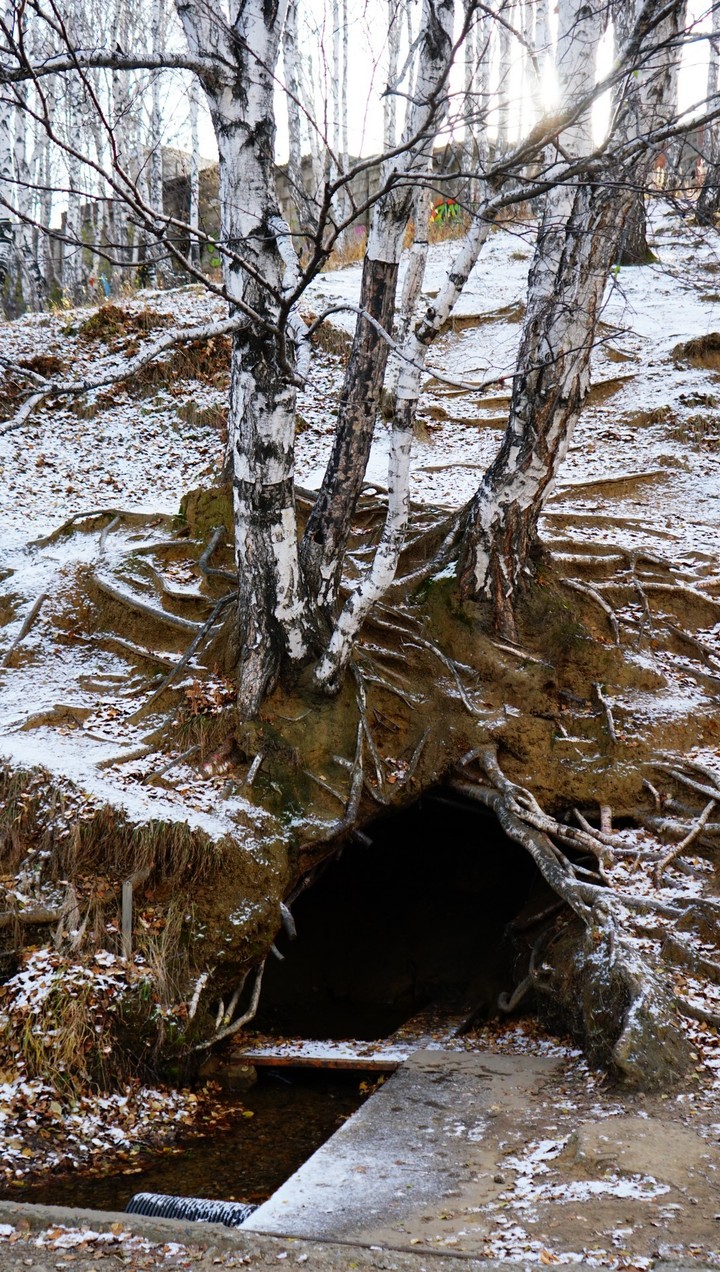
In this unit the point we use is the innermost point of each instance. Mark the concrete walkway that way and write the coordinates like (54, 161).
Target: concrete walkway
(387, 1176)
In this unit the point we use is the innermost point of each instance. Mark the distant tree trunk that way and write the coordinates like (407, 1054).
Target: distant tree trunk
(577, 244)
(8, 227)
(73, 262)
(271, 613)
(339, 106)
(393, 53)
(122, 125)
(155, 182)
(194, 209)
(296, 181)
(43, 159)
(634, 248)
(505, 55)
(329, 522)
(708, 204)
(31, 282)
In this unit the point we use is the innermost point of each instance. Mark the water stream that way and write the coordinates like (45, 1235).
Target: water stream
(291, 1117)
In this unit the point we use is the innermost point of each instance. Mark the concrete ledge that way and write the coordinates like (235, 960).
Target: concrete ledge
(254, 1248)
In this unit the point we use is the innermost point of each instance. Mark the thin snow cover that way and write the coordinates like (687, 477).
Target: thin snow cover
(528, 1192)
(85, 1127)
(633, 422)
(141, 453)
(64, 1238)
(522, 1037)
(29, 989)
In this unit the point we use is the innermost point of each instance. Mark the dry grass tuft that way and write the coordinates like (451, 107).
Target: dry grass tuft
(110, 323)
(703, 351)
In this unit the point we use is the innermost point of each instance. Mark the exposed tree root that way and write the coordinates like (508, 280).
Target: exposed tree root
(135, 602)
(114, 514)
(619, 1003)
(607, 710)
(585, 590)
(202, 632)
(678, 951)
(247, 1016)
(203, 565)
(685, 843)
(25, 628)
(696, 1012)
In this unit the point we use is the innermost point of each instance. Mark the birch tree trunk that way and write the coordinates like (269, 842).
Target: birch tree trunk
(414, 351)
(393, 54)
(10, 281)
(577, 244)
(155, 181)
(329, 522)
(505, 55)
(194, 181)
(296, 181)
(708, 204)
(73, 264)
(271, 612)
(29, 282)
(411, 288)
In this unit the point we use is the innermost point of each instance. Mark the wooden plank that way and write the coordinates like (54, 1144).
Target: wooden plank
(310, 1053)
(435, 1027)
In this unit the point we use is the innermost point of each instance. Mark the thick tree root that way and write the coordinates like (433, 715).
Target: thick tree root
(618, 1004)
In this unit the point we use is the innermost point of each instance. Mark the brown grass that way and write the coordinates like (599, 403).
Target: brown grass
(110, 323)
(703, 351)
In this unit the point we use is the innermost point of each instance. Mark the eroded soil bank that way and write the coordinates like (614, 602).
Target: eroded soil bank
(599, 730)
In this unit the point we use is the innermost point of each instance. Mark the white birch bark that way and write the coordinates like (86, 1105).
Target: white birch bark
(505, 54)
(43, 158)
(73, 256)
(291, 68)
(708, 204)
(575, 249)
(412, 285)
(122, 121)
(155, 181)
(393, 55)
(271, 614)
(8, 189)
(382, 572)
(194, 176)
(29, 297)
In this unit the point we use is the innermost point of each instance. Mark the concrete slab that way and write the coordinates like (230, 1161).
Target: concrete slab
(385, 1174)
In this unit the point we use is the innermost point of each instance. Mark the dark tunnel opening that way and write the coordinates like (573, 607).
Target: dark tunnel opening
(416, 911)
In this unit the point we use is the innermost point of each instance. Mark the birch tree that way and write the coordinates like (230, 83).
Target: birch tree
(237, 66)
(330, 520)
(708, 204)
(576, 246)
(288, 608)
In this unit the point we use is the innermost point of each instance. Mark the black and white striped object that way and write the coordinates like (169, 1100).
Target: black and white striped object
(196, 1209)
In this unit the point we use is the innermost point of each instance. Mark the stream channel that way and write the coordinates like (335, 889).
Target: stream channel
(416, 912)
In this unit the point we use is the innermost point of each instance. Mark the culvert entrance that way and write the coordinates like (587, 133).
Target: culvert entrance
(414, 912)
(417, 912)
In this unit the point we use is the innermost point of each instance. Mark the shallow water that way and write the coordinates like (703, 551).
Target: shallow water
(246, 1162)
